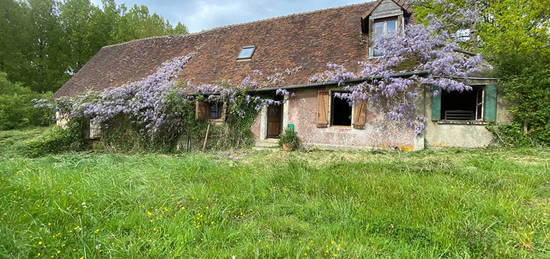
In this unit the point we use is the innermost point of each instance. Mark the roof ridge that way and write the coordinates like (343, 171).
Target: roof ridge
(240, 24)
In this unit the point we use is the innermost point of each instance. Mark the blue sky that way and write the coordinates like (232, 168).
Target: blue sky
(200, 15)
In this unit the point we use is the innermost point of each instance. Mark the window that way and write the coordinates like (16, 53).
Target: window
(463, 35)
(340, 111)
(247, 52)
(381, 28)
(479, 104)
(467, 105)
(215, 110)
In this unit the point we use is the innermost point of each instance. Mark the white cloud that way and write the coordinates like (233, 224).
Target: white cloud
(200, 15)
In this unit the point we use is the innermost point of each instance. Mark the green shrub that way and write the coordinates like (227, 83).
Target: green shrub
(185, 133)
(17, 109)
(55, 140)
(290, 138)
(512, 134)
(529, 93)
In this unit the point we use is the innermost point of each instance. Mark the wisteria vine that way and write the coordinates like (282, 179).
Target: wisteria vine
(147, 102)
(418, 48)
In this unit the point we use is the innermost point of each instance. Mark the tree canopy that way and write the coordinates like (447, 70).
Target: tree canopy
(44, 42)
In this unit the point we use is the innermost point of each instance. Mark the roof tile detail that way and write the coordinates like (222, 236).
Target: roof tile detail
(308, 40)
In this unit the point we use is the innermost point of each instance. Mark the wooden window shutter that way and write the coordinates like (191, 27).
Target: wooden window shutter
(225, 110)
(490, 105)
(360, 115)
(436, 105)
(201, 110)
(322, 109)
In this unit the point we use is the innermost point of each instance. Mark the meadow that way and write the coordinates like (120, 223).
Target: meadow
(457, 203)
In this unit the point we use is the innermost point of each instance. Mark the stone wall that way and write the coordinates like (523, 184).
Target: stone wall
(379, 132)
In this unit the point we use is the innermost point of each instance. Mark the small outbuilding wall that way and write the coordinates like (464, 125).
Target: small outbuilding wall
(468, 134)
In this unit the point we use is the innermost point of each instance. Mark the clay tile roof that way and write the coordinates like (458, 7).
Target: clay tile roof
(307, 40)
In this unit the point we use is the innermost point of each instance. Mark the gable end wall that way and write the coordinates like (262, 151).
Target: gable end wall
(387, 8)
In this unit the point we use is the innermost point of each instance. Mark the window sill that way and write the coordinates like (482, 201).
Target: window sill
(216, 120)
(340, 127)
(457, 122)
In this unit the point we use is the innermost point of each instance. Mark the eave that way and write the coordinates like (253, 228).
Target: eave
(332, 83)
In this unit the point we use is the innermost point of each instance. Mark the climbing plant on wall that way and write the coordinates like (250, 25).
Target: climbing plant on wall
(513, 35)
(419, 48)
(158, 112)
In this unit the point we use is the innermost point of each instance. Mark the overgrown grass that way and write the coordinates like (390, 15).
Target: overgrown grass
(454, 203)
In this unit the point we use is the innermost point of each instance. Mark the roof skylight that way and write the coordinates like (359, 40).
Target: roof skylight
(247, 52)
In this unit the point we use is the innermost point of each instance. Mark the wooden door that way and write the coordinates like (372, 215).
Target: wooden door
(274, 121)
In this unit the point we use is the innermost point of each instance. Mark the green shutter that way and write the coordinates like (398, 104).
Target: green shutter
(490, 104)
(436, 106)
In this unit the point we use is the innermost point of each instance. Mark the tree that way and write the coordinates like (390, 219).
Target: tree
(517, 41)
(48, 56)
(139, 23)
(81, 34)
(50, 40)
(16, 40)
(514, 36)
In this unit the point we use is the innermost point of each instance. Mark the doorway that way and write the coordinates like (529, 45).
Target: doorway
(274, 120)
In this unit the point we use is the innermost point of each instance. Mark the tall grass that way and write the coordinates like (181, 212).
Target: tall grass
(457, 203)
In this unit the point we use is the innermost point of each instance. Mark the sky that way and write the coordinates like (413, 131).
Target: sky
(199, 15)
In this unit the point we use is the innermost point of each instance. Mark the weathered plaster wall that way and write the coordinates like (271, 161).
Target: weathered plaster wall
(471, 136)
(256, 127)
(378, 133)
(61, 119)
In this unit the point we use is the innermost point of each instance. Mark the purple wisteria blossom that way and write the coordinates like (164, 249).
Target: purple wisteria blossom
(42, 104)
(142, 101)
(231, 93)
(433, 52)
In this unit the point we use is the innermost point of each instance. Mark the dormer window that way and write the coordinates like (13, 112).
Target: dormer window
(382, 28)
(246, 52)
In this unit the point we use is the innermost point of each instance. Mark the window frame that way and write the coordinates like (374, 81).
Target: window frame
(373, 36)
(479, 112)
(248, 57)
(331, 110)
(221, 110)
